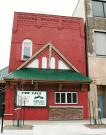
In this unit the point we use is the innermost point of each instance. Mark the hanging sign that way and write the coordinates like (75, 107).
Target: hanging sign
(31, 98)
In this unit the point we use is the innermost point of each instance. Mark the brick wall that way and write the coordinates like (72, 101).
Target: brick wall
(65, 113)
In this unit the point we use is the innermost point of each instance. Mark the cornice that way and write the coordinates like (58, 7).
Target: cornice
(42, 20)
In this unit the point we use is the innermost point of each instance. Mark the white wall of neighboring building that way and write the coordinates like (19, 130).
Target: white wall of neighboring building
(97, 69)
(79, 10)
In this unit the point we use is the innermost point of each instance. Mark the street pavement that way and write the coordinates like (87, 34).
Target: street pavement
(55, 128)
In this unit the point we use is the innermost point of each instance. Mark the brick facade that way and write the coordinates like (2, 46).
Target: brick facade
(65, 113)
(65, 36)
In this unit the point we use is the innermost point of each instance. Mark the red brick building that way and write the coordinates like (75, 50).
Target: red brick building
(47, 69)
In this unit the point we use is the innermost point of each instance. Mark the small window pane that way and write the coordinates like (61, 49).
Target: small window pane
(62, 97)
(44, 62)
(26, 53)
(34, 64)
(100, 43)
(97, 8)
(68, 97)
(57, 97)
(52, 63)
(74, 98)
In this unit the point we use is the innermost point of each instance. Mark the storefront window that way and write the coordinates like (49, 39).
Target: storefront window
(63, 97)
(57, 97)
(66, 98)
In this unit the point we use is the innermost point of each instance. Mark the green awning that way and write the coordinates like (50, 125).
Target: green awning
(48, 75)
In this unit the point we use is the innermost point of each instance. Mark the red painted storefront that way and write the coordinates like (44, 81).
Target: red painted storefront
(43, 113)
(66, 34)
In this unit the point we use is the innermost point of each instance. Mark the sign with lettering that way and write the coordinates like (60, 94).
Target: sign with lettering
(31, 98)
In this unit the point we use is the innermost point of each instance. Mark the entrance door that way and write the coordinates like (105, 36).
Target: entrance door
(1, 99)
(101, 105)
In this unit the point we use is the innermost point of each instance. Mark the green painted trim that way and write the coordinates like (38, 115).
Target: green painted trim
(48, 74)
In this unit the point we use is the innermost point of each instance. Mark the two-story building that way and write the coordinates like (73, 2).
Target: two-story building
(47, 69)
(94, 14)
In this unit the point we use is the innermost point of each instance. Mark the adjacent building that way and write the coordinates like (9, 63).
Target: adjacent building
(47, 69)
(3, 73)
(94, 14)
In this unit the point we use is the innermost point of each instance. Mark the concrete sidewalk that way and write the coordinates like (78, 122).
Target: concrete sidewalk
(55, 128)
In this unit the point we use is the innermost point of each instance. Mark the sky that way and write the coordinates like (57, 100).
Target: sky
(7, 9)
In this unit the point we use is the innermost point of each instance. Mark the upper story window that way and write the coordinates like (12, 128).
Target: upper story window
(44, 62)
(52, 63)
(34, 64)
(62, 65)
(100, 43)
(99, 8)
(26, 49)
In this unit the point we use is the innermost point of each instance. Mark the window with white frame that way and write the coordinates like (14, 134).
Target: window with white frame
(52, 63)
(26, 49)
(100, 43)
(99, 8)
(44, 62)
(66, 97)
(62, 65)
(34, 64)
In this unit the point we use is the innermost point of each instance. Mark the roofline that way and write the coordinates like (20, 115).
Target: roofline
(62, 56)
(43, 48)
(50, 15)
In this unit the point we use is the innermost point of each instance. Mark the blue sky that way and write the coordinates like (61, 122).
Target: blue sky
(7, 8)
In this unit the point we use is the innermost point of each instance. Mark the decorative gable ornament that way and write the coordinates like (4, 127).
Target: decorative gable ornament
(63, 63)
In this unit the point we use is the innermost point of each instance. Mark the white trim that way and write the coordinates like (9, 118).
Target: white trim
(33, 64)
(64, 59)
(49, 61)
(66, 97)
(17, 109)
(62, 65)
(8, 114)
(43, 48)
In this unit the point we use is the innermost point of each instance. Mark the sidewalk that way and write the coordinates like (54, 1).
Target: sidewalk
(55, 128)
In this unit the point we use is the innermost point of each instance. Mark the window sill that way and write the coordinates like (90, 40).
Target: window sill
(99, 17)
(24, 60)
(66, 103)
(65, 106)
